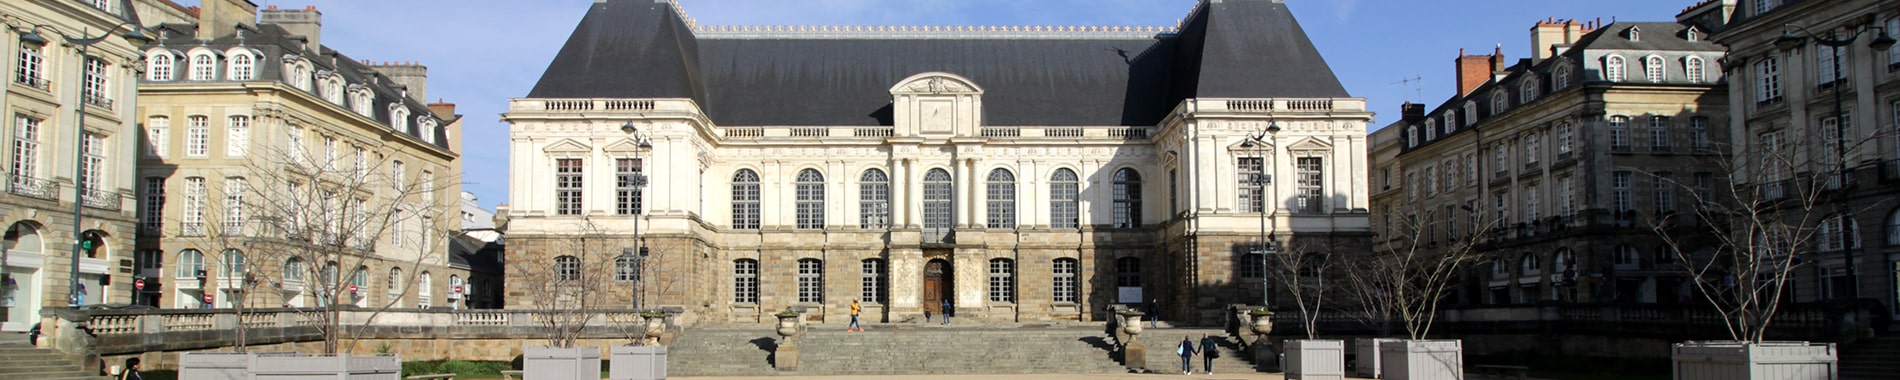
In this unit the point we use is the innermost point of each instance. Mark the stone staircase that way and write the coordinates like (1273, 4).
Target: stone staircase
(1873, 359)
(1162, 341)
(19, 360)
(898, 349)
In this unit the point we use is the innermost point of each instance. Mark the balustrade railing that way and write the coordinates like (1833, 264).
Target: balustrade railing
(103, 200)
(37, 83)
(32, 187)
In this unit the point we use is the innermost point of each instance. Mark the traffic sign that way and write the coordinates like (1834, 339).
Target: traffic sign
(207, 297)
(138, 284)
(352, 289)
(456, 289)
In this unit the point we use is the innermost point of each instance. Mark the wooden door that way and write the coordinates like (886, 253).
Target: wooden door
(936, 285)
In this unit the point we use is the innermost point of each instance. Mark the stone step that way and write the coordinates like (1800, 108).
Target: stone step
(899, 349)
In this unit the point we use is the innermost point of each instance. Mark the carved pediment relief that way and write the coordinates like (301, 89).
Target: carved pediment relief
(568, 147)
(626, 145)
(1310, 144)
(936, 83)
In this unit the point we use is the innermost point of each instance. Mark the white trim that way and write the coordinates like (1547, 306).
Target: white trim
(26, 259)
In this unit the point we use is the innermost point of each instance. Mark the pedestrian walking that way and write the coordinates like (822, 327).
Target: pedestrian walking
(1154, 314)
(1209, 351)
(947, 311)
(855, 309)
(131, 371)
(1186, 350)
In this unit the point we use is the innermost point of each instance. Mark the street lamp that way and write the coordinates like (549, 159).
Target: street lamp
(1262, 144)
(31, 37)
(637, 181)
(1881, 42)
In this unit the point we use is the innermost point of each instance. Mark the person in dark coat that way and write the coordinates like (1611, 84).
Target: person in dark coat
(1186, 349)
(131, 371)
(1154, 314)
(947, 311)
(1208, 351)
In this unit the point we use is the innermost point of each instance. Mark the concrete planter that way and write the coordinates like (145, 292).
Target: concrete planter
(213, 365)
(1422, 360)
(1732, 360)
(326, 367)
(1367, 351)
(637, 363)
(557, 363)
(1316, 359)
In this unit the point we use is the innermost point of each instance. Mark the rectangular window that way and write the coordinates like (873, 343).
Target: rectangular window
(1530, 203)
(1663, 194)
(1063, 207)
(1431, 181)
(25, 161)
(31, 64)
(192, 223)
(157, 129)
(1832, 130)
(1563, 140)
(1312, 190)
(398, 175)
(1620, 191)
(95, 91)
(1501, 158)
(1566, 200)
(875, 207)
(629, 180)
(1502, 202)
(875, 282)
(197, 136)
(92, 164)
(234, 188)
(1763, 6)
(330, 154)
(1767, 81)
(1531, 150)
(745, 281)
(1825, 68)
(1704, 183)
(362, 161)
(1659, 133)
(811, 281)
(1451, 224)
(1699, 134)
(1002, 281)
(152, 210)
(1619, 133)
(1450, 182)
(428, 187)
(1253, 183)
(294, 140)
(237, 136)
(1065, 281)
(567, 186)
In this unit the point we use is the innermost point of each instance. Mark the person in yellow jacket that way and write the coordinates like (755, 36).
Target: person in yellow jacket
(855, 309)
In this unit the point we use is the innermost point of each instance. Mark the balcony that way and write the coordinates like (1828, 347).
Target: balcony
(37, 83)
(32, 187)
(102, 200)
(1619, 148)
(98, 101)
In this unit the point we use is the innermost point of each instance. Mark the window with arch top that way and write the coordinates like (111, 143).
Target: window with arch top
(1002, 199)
(1126, 194)
(938, 204)
(810, 204)
(1613, 68)
(1064, 190)
(874, 199)
(745, 200)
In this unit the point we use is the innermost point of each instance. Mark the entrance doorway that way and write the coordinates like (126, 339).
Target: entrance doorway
(937, 285)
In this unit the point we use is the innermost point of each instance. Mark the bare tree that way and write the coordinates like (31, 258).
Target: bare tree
(575, 282)
(1743, 236)
(1411, 277)
(1302, 271)
(1366, 298)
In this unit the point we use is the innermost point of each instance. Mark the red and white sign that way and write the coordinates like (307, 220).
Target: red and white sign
(207, 297)
(138, 284)
(352, 289)
(456, 289)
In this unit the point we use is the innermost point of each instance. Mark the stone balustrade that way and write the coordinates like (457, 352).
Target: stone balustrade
(114, 332)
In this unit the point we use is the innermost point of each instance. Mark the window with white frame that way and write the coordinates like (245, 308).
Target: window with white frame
(1767, 80)
(626, 268)
(1826, 66)
(1831, 131)
(745, 281)
(1431, 129)
(242, 67)
(1253, 183)
(399, 174)
(300, 75)
(294, 143)
(157, 131)
(1620, 191)
(204, 66)
(1561, 79)
(1531, 206)
(1653, 69)
(1431, 181)
(1126, 197)
(1530, 265)
(1527, 89)
(428, 187)
(1471, 169)
(567, 268)
(628, 186)
(745, 200)
(1699, 133)
(1613, 68)
(1501, 157)
(1471, 113)
(361, 160)
(1564, 132)
(399, 118)
(333, 89)
(1659, 133)
(1002, 280)
(811, 281)
(1635, 34)
(152, 210)
(568, 186)
(427, 130)
(1693, 69)
(874, 199)
(362, 101)
(1450, 182)
(96, 90)
(92, 162)
(237, 136)
(30, 68)
(1619, 132)
(1411, 136)
(875, 284)
(234, 188)
(1499, 102)
(1311, 189)
(1532, 149)
(1501, 202)
(1066, 283)
(1893, 55)
(190, 261)
(1662, 194)
(1001, 187)
(810, 202)
(1064, 191)
(158, 66)
(192, 222)
(1566, 199)
(1832, 237)
(197, 136)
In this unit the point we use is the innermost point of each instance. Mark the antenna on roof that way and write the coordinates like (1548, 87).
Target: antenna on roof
(1415, 83)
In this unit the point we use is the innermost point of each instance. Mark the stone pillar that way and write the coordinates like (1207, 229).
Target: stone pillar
(906, 283)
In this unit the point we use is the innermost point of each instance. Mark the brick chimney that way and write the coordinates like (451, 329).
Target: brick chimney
(220, 18)
(1412, 112)
(306, 23)
(411, 75)
(1550, 34)
(1474, 70)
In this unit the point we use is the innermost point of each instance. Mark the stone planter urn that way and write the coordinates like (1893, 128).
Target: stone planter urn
(1131, 324)
(656, 326)
(787, 324)
(1134, 355)
(1262, 321)
(1264, 356)
(785, 357)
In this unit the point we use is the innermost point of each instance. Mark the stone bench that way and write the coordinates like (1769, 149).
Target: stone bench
(1516, 371)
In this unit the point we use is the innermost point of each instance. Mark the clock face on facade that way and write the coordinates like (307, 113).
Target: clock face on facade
(937, 116)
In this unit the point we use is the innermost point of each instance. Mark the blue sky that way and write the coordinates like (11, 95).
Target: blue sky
(480, 53)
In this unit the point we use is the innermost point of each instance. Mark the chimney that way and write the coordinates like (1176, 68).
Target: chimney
(1548, 35)
(1412, 112)
(1473, 70)
(220, 18)
(410, 75)
(306, 23)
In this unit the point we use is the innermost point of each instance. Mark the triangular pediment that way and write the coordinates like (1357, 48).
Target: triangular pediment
(567, 146)
(626, 145)
(1311, 144)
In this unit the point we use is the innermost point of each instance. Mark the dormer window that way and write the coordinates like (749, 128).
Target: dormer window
(297, 72)
(1431, 129)
(1527, 90)
(1692, 34)
(159, 65)
(1635, 34)
(1653, 69)
(242, 65)
(1451, 121)
(1411, 137)
(428, 130)
(1613, 68)
(1499, 102)
(362, 99)
(333, 88)
(399, 118)
(1471, 113)
(1561, 79)
(204, 65)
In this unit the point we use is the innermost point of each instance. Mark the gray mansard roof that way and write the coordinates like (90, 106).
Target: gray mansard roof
(1231, 48)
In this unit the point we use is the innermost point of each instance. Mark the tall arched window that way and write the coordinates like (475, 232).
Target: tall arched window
(362, 99)
(190, 261)
(875, 284)
(1562, 261)
(1528, 265)
(811, 281)
(1626, 257)
(810, 204)
(424, 294)
(874, 199)
(1127, 198)
(745, 281)
(1833, 237)
(399, 118)
(1500, 268)
(1064, 190)
(1002, 280)
(745, 200)
(1653, 68)
(1002, 199)
(1613, 68)
(242, 67)
(394, 284)
(567, 268)
(159, 66)
(1067, 283)
(1692, 68)
(204, 66)
(938, 204)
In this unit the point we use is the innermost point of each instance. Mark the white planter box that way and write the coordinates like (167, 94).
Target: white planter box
(637, 363)
(1422, 360)
(1367, 351)
(213, 365)
(554, 363)
(1731, 360)
(1316, 359)
(326, 367)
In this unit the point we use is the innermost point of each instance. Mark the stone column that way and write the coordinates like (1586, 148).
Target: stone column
(906, 283)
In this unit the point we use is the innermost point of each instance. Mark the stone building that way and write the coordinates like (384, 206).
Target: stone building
(55, 167)
(1569, 156)
(1029, 173)
(1823, 103)
(265, 151)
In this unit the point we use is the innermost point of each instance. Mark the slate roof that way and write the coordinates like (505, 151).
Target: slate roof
(1232, 48)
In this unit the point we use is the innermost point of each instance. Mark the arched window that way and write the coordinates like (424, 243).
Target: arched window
(1431, 129)
(1249, 262)
(1127, 198)
(1692, 68)
(1561, 79)
(426, 129)
(938, 204)
(1066, 284)
(1002, 280)
(1893, 227)
(745, 200)
(233, 265)
(1529, 265)
(811, 281)
(242, 67)
(1613, 68)
(1411, 136)
(190, 261)
(158, 66)
(424, 289)
(1832, 237)
(363, 100)
(1653, 68)
(567, 268)
(1128, 272)
(1002, 199)
(874, 199)
(394, 283)
(300, 76)
(1471, 114)
(1500, 268)
(875, 284)
(1562, 261)
(204, 66)
(399, 119)
(1499, 102)
(1064, 189)
(293, 270)
(810, 203)
(1527, 89)
(333, 89)
(626, 268)
(745, 281)
(1627, 257)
